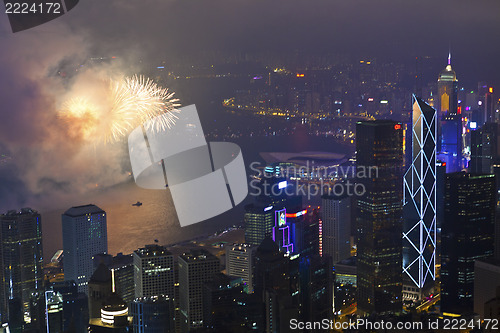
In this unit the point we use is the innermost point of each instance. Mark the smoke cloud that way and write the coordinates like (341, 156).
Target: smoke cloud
(39, 68)
(51, 163)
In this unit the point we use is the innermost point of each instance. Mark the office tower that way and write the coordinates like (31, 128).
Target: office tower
(485, 148)
(152, 315)
(21, 272)
(177, 300)
(316, 288)
(304, 228)
(239, 263)
(223, 304)
(379, 154)
(419, 198)
(153, 272)
(195, 268)
(54, 311)
(75, 306)
(36, 312)
(440, 181)
(99, 288)
(123, 266)
(336, 226)
(260, 216)
(449, 139)
(84, 235)
(259, 222)
(467, 235)
(346, 271)
(451, 142)
(447, 91)
(440, 184)
(274, 286)
(485, 104)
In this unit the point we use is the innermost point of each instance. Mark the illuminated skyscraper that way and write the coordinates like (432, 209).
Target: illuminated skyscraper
(259, 222)
(195, 268)
(152, 315)
(85, 234)
(153, 272)
(75, 306)
(305, 231)
(316, 294)
(239, 263)
(467, 236)
(379, 154)
(486, 107)
(123, 266)
(336, 227)
(419, 200)
(21, 255)
(449, 119)
(54, 311)
(485, 150)
(447, 91)
(224, 304)
(275, 285)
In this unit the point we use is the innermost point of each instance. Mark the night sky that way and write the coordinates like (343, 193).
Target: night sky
(133, 30)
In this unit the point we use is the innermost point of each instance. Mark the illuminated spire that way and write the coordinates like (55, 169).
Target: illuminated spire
(449, 57)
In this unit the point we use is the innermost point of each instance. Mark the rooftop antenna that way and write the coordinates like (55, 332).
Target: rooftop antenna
(449, 54)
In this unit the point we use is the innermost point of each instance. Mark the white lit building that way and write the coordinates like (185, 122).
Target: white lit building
(336, 226)
(153, 272)
(195, 268)
(84, 235)
(239, 258)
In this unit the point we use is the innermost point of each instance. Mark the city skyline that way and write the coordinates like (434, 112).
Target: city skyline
(369, 135)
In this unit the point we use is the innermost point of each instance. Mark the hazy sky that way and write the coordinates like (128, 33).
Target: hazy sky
(396, 29)
(157, 29)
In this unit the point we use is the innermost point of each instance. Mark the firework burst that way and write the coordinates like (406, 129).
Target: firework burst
(153, 101)
(122, 106)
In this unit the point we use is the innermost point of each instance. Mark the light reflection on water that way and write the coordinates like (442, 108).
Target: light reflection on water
(131, 227)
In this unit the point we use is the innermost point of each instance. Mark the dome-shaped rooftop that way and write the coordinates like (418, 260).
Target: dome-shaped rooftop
(114, 311)
(447, 74)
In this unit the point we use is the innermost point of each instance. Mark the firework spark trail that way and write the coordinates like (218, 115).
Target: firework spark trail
(130, 102)
(123, 107)
(153, 101)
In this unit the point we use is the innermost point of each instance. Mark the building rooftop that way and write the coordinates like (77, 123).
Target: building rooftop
(152, 250)
(83, 210)
(377, 122)
(447, 74)
(268, 246)
(23, 211)
(101, 274)
(152, 299)
(241, 247)
(463, 175)
(333, 196)
(197, 255)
